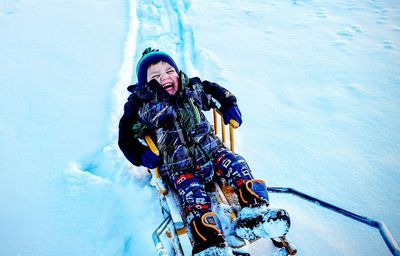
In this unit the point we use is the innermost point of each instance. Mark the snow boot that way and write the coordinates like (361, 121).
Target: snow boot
(207, 235)
(253, 193)
(256, 219)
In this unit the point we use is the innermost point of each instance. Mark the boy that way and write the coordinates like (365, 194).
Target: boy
(168, 105)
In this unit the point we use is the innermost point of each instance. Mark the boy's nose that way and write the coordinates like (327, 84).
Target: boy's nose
(163, 76)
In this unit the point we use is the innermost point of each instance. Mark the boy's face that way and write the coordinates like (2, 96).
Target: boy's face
(165, 75)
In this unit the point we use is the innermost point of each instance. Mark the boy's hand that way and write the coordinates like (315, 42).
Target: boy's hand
(150, 160)
(232, 112)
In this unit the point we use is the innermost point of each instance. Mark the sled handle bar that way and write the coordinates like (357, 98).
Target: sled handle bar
(384, 231)
(151, 145)
(233, 124)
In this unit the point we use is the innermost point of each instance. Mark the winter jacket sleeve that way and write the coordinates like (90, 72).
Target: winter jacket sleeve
(129, 145)
(224, 97)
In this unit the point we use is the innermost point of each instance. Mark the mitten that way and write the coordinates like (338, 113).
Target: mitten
(150, 160)
(232, 112)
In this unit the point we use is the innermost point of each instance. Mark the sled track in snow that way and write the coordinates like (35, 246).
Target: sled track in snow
(161, 25)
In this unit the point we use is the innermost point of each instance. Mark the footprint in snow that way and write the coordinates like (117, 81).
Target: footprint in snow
(388, 45)
(345, 32)
(321, 13)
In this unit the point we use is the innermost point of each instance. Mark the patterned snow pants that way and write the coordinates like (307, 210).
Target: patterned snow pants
(226, 167)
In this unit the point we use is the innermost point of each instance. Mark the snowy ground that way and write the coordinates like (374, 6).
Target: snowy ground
(317, 84)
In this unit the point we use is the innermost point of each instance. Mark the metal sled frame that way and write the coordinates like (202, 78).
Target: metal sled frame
(174, 228)
(180, 231)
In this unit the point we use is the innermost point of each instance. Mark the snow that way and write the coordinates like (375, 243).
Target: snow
(271, 226)
(217, 251)
(317, 83)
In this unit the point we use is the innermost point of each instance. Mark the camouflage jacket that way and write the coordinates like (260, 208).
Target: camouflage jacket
(176, 123)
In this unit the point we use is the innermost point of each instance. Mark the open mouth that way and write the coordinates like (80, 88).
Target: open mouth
(167, 86)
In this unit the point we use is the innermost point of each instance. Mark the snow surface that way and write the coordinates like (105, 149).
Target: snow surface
(317, 83)
(271, 227)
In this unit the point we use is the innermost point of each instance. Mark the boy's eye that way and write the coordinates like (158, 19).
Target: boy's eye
(155, 77)
(170, 71)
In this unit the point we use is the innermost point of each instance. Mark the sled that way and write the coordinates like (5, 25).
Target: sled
(173, 236)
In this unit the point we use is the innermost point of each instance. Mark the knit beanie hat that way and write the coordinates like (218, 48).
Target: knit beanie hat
(150, 56)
